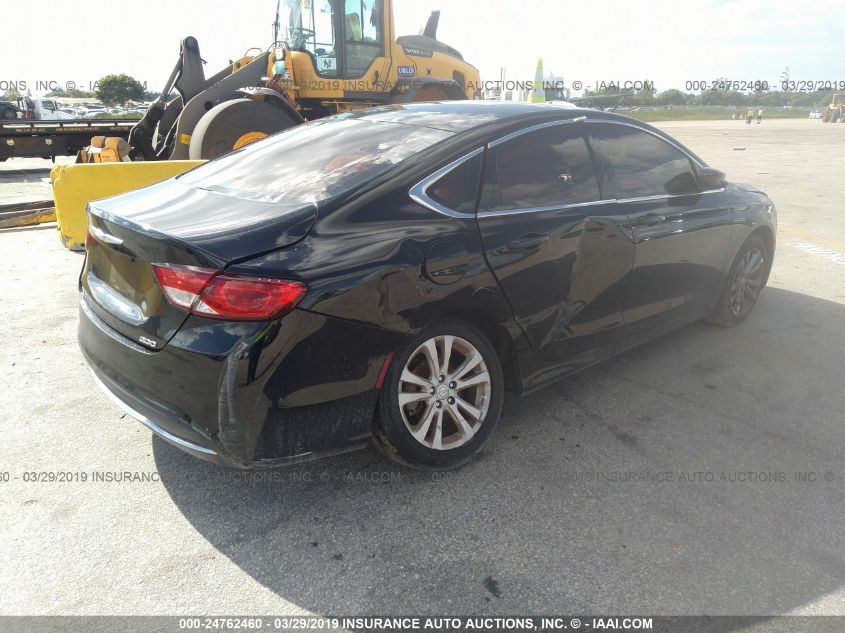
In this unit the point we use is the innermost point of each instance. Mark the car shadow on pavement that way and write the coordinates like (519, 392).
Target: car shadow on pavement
(699, 473)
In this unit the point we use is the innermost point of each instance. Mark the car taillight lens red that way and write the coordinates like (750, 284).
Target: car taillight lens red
(213, 294)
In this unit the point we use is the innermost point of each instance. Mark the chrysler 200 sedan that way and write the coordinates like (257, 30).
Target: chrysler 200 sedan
(387, 275)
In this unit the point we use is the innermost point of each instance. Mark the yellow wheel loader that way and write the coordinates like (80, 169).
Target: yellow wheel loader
(327, 57)
(333, 56)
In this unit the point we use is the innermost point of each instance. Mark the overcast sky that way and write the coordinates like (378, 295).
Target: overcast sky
(668, 42)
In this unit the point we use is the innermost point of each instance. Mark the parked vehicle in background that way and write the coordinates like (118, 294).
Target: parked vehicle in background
(38, 109)
(391, 272)
(815, 114)
(46, 130)
(9, 111)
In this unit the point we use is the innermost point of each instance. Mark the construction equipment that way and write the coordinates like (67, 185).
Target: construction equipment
(334, 56)
(836, 110)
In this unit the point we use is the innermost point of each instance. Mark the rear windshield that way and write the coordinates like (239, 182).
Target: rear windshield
(313, 162)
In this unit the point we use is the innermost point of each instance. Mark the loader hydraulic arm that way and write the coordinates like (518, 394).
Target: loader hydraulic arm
(149, 136)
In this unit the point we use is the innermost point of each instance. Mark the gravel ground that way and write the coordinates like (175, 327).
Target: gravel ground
(735, 436)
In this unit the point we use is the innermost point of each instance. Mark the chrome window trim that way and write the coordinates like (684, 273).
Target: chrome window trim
(666, 196)
(553, 207)
(419, 192)
(489, 214)
(534, 128)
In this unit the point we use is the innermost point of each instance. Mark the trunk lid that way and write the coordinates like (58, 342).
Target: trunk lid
(173, 223)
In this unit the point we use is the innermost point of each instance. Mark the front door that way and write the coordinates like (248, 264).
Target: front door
(681, 232)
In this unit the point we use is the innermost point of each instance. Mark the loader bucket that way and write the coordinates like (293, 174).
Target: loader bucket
(74, 186)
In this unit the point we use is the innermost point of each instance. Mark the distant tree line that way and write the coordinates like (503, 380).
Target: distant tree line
(110, 90)
(674, 97)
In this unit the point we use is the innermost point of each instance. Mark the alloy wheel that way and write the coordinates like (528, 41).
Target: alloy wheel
(747, 282)
(444, 392)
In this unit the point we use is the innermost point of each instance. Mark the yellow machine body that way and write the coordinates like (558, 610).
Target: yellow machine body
(358, 61)
(74, 186)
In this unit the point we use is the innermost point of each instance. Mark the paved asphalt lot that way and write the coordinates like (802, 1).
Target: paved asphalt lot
(545, 521)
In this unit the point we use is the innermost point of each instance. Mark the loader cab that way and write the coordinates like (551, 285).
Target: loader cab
(343, 37)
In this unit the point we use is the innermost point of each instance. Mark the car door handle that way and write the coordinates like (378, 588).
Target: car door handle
(650, 219)
(526, 243)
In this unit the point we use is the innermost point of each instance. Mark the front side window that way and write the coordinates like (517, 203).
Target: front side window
(550, 166)
(313, 162)
(640, 163)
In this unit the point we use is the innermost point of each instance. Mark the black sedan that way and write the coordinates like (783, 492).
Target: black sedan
(387, 275)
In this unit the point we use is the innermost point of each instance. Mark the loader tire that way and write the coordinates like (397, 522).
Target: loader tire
(234, 124)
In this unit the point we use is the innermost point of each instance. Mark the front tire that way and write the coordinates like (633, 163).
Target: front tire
(746, 279)
(234, 124)
(441, 398)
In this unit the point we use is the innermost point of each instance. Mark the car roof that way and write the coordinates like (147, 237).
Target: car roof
(461, 116)
(472, 118)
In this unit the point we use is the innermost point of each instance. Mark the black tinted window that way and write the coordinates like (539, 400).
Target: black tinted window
(458, 190)
(640, 163)
(547, 167)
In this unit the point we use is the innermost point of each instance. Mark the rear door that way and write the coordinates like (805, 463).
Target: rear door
(681, 233)
(553, 239)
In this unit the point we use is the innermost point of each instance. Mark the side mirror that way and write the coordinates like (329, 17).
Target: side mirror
(709, 178)
(682, 185)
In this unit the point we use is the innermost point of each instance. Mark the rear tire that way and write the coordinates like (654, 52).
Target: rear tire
(746, 279)
(435, 414)
(234, 124)
(7, 114)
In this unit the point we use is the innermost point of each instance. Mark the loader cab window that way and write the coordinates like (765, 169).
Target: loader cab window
(311, 28)
(344, 37)
(363, 35)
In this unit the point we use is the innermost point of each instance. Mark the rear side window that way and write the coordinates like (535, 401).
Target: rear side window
(547, 167)
(640, 163)
(313, 162)
(458, 190)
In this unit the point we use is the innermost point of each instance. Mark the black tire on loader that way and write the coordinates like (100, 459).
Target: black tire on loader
(234, 124)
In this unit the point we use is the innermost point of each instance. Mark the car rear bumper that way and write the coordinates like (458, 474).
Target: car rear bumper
(246, 395)
(101, 348)
(167, 428)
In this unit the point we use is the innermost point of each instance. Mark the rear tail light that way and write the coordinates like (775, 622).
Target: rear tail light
(213, 294)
